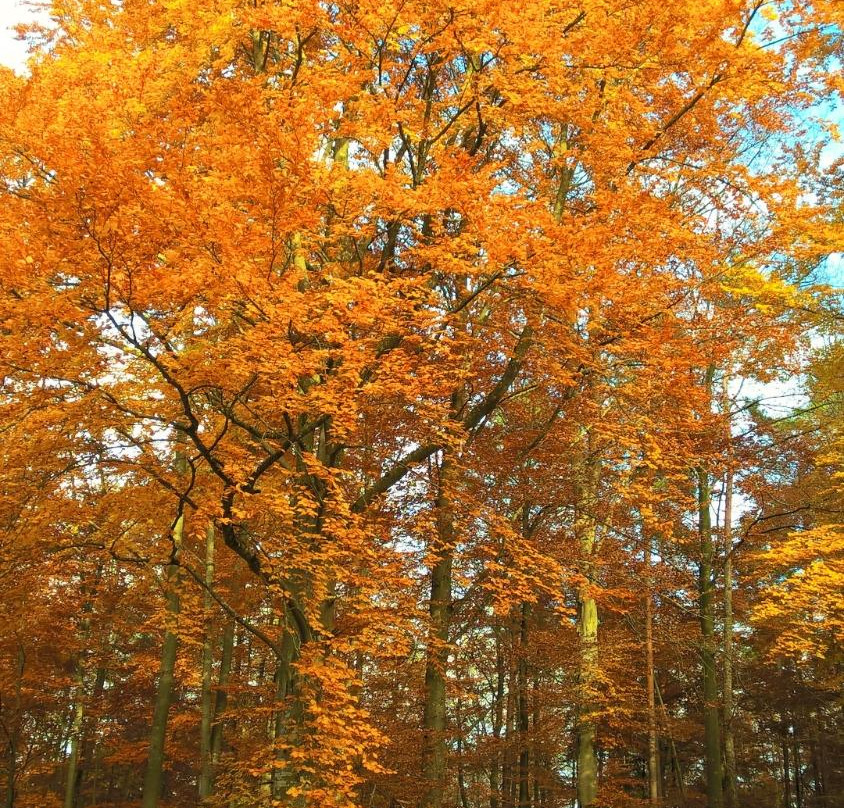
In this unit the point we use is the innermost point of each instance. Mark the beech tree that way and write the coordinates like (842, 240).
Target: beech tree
(369, 408)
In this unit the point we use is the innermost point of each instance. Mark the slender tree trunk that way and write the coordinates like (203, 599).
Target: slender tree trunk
(523, 710)
(11, 774)
(207, 715)
(273, 725)
(538, 761)
(222, 694)
(585, 529)
(72, 776)
(75, 735)
(816, 768)
(507, 779)
(283, 776)
(653, 750)
(729, 736)
(154, 777)
(461, 773)
(678, 768)
(12, 731)
(711, 720)
(827, 777)
(786, 771)
(88, 745)
(95, 778)
(497, 721)
(434, 716)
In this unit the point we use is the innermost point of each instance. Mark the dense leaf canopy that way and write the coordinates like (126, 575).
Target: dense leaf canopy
(379, 419)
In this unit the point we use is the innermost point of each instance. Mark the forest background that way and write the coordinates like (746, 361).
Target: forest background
(422, 405)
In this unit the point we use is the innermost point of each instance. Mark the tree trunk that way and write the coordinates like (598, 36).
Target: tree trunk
(88, 746)
(283, 776)
(71, 786)
(497, 721)
(816, 769)
(729, 737)
(75, 734)
(222, 695)
(653, 750)
(786, 770)
(11, 775)
(711, 720)
(538, 761)
(678, 768)
(523, 710)
(509, 723)
(154, 777)
(461, 774)
(585, 529)
(207, 716)
(12, 731)
(434, 716)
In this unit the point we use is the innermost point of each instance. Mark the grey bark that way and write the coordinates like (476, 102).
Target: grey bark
(154, 775)
(587, 626)
(711, 719)
(207, 715)
(221, 700)
(434, 715)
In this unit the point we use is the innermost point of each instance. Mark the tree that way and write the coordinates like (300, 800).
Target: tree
(422, 297)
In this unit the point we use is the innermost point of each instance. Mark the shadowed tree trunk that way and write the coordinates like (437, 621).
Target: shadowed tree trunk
(509, 724)
(786, 771)
(729, 737)
(207, 717)
(434, 716)
(585, 530)
(154, 776)
(523, 709)
(711, 720)
(11, 729)
(71, 786)
(286, 708)
(222, 695)
(497, 721)
(653, 747)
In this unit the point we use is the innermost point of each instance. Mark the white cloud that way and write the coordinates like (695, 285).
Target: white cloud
(13, 52)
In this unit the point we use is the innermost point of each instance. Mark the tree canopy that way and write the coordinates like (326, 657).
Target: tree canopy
(380, 420)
